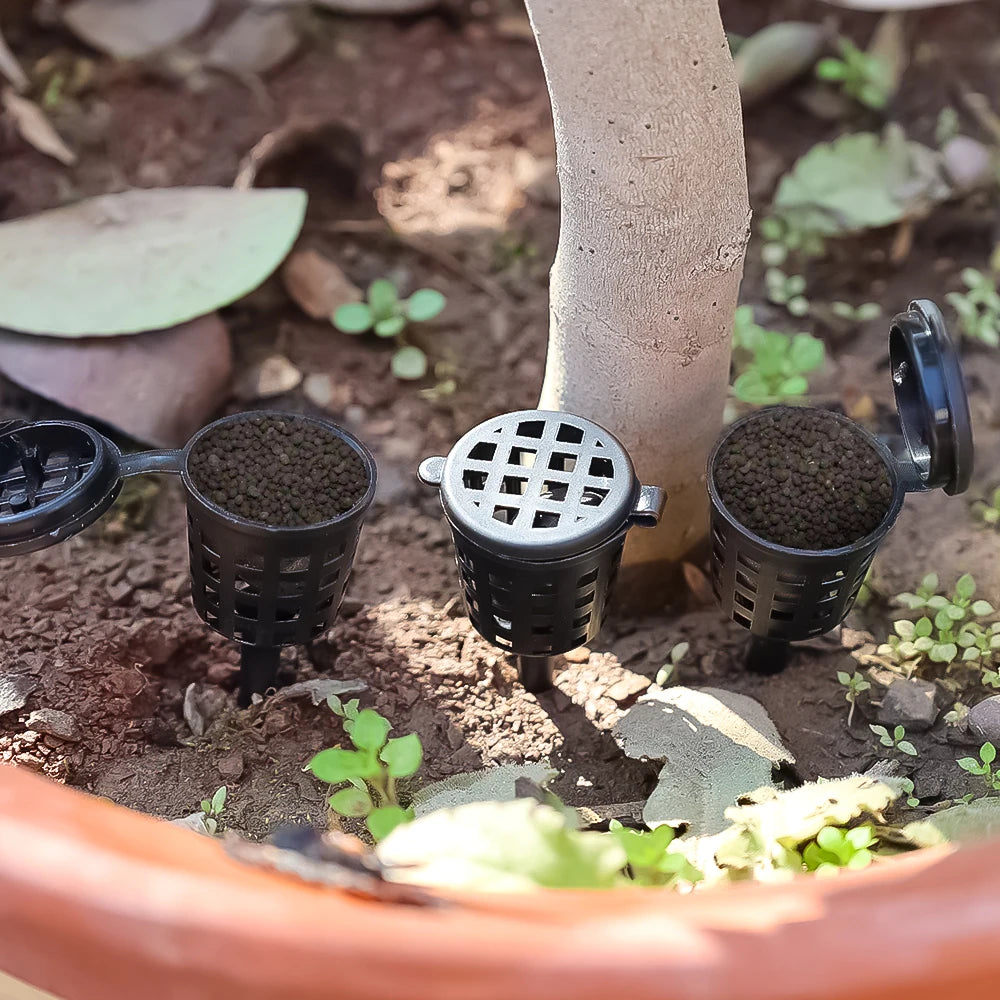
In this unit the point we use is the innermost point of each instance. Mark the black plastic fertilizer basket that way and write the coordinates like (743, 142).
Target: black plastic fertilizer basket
(539, 504)
(802, 498)
(275, 504)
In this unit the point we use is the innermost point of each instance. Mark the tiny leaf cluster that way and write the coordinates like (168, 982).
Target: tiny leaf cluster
(771, 366)
(212, 809)
(988, 511)
(954, 633)
(984, 766)
(863, 76)
(369, 772)
(895, 740)
(854, 683)
(387, 315)
(978, 307)
(650, 860)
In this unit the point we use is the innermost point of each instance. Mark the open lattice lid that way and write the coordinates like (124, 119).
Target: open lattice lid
(931, 399)
(536, 484)
(56, 478)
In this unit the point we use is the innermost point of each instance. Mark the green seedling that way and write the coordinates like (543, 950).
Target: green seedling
(786, 290)
(956, 715)
(983, 767)
(835, 848)
(855, 684)
(988, 511)
(862, 76)
(387, 315)
(771, 366)
(947, 125)
(666, 672)
(856, 314)
(896, 740)
(783, 239)
(978, 308)
(212, 809)
(369, 772)
(907, 785)
(952, 635)
(650, 860)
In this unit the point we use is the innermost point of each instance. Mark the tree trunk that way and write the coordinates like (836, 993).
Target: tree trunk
(654, 226)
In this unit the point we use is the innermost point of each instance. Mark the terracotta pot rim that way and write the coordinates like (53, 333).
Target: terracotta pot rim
(97, 901)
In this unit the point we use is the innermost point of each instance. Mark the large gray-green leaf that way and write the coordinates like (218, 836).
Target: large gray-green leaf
(957, 824)
(142, 260)
(861, 181)
(501, 847)
(492, 784)
(717, 745)
(776, 55)
(130, 29)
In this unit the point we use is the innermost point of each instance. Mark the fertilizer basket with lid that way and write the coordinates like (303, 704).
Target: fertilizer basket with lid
(539, 504)
(783, 593)
(264, 585)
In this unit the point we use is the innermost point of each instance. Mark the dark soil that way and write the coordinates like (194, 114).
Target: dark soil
(278, 471)
(440, 126)
(803, 479)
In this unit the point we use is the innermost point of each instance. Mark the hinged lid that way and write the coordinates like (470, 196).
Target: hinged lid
(56, 478)
(930, 398)
(538, 485)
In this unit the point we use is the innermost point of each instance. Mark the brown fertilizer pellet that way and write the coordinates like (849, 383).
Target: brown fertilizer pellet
(803, 479)
(278, 471)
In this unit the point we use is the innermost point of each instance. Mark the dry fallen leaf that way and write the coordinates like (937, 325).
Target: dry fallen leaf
(131, 29)
(257, 41)
(35, 128)
(10, 67)
(317, 285)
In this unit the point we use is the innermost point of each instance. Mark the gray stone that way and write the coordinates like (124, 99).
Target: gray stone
(52, 722)
(984, 720)
(15, 689)
(909, 703)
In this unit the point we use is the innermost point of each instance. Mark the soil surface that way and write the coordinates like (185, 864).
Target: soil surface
(440, 125)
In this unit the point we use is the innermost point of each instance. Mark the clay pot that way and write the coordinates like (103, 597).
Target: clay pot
(99, 903)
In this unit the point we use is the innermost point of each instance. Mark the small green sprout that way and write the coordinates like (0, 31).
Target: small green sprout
(786, 290)
(952, 635)
(835, 848)
(863, 76)
(978, 308)
(988, 511)
(674, 657)
(956, 715)
(212, 809)
(783, 239)
(650, 860)
(771, 366)
(855, 684)
(387, 315)
(983, 767)
(369, 772)
(947, 125)
(856, 314)
(907, 785)
(896, 740)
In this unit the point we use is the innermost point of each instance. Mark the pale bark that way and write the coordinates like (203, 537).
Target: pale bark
(654, 226)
